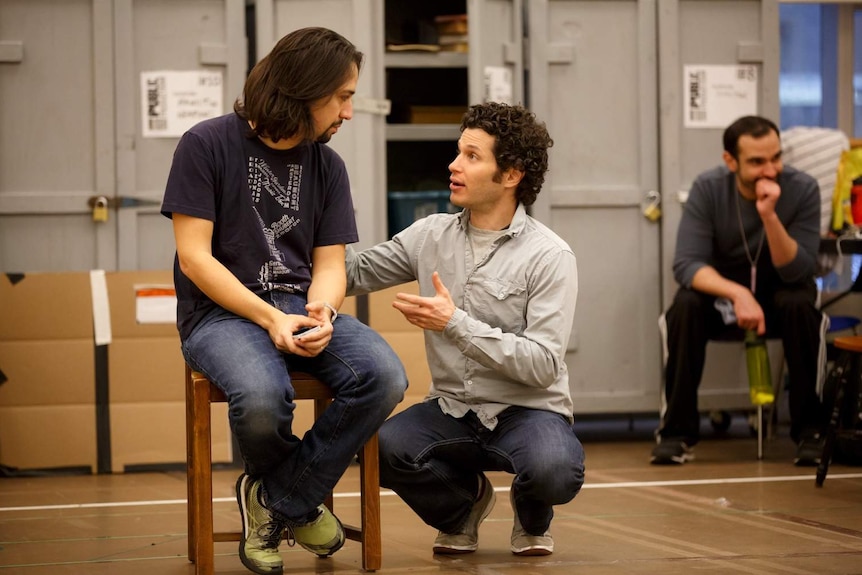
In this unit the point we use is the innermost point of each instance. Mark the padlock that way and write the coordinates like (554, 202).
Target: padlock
(100, 209)
(652, 212)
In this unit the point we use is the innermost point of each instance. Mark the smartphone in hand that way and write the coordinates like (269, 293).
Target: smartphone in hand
(303, 331)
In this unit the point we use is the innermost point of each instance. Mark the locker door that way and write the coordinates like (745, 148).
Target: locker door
(718, 33)
(496, 46)
(178, 36)
(56, 134)
(71, 127)
(361, 142)
(592, 79)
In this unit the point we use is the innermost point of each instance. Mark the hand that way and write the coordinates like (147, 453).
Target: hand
(281, 332)
(431, 313)
(766, 194)
(749, 314)
(310, 344)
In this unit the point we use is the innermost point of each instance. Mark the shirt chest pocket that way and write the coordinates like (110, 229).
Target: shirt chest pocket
(501, 303)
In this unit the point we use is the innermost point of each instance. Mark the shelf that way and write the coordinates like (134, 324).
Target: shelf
(425, 60)
(411, 132)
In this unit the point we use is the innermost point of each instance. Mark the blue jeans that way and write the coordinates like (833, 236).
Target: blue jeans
(432, 461)
(239, 357)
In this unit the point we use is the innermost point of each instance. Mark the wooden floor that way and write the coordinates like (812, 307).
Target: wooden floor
(725, 512)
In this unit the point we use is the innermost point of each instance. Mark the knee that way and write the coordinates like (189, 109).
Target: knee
(794, 302)
(393, 455)
(390, 438)
(389, 381)
(687, 302)
(259, 415)
(559, 479)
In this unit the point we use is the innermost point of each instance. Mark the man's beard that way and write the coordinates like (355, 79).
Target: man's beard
(326, 136)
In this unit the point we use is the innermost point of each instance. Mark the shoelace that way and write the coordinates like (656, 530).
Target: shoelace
(271, 533)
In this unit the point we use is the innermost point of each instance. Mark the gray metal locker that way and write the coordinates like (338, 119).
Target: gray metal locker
(592, 70)
(72, 124)
(715, 32)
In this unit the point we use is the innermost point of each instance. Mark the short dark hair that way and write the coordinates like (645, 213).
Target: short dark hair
(303, 67)
(754, 126)
(520, 142)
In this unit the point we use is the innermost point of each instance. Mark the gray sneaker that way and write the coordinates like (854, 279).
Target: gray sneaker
(523, 543)
(467, 540)
(261, 531)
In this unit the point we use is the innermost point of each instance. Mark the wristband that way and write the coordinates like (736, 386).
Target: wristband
(333, 310)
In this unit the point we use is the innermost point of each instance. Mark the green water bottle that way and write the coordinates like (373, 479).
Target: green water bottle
(759, 374)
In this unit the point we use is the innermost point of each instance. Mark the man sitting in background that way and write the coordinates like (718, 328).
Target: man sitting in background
(749, 233)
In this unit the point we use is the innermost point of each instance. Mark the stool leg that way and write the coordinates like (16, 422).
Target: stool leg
(844, 366)
(202, 471)
(191, 488)
(369, 473)
(759, 432)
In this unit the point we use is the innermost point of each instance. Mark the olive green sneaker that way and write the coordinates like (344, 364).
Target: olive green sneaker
(261, 531)
(467, 540)
(323, 536)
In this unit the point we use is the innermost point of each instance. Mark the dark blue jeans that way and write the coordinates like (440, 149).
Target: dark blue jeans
(432, 461)
(239, 357)
(692, 321)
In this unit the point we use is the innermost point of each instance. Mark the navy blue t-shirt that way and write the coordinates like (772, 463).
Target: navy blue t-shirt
(269, 208)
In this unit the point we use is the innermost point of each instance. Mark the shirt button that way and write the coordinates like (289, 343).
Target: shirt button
(469, 382)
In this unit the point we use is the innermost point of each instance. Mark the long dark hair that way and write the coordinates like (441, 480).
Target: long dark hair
(303, 67)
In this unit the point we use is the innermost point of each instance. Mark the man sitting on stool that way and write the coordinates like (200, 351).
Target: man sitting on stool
(749, 233)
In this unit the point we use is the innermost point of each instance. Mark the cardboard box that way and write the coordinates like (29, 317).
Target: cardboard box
(125, 289)
(48, 436)
(437, 114)
(155, 434)
(146, 372)
(146, 369)
(410, 347)
(50, 372)
(47, 371)
(407, 340)
(382, 317)
(45, 306)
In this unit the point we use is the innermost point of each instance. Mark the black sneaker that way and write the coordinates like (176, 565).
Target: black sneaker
(671, 451)
(809, 451)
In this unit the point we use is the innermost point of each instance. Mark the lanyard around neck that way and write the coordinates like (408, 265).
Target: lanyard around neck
(751, 260)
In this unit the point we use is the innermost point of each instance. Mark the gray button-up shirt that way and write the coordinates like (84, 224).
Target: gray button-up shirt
(506, 342)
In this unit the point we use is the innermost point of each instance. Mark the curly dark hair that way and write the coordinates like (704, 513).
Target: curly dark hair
(306, 65)
(520, 142)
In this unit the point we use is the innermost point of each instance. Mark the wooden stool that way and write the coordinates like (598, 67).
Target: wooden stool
(848, 368)
(200, 393)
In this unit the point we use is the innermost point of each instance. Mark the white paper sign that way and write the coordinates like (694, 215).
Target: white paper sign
(715, 96)
(498, 84)
(155, 304)
(172, 102)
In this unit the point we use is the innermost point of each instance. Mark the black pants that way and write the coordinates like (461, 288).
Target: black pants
(692, 320)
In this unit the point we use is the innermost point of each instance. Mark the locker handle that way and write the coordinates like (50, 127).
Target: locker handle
(11, 51)
(120, 202)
